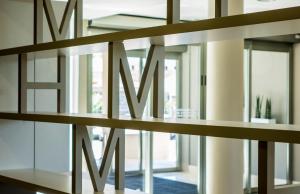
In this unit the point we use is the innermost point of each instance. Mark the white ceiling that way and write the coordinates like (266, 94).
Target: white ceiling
(255, 5)
(190, 9)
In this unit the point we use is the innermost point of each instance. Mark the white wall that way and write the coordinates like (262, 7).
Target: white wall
(19, 140)
(270, 80)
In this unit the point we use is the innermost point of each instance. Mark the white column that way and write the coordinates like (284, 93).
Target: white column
(225, 102)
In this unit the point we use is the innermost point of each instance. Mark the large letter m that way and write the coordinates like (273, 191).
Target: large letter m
(153, 73)
(118, 65)
(57, 32)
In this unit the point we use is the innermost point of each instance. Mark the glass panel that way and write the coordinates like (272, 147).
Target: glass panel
(179, 169)
(184, 179)
(165, 144)
(170, 87)
(97, 83)
(165, 151)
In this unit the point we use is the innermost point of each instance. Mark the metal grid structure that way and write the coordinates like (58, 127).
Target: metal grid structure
(241, 26)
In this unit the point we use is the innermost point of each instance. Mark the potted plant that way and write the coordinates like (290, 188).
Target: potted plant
(258, 111)
(259, 101)
(268, 113)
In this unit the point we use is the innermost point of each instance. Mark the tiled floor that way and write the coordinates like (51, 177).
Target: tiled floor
(184, 177)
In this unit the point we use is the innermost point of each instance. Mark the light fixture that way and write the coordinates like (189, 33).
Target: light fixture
(297, 36)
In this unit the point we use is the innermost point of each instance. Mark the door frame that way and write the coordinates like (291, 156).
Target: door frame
(262, 45)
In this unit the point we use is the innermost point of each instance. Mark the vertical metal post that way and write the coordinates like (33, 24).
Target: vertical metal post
(38, 21)
(249, 142)
(22, 80)
(202, 165)
(262, 167)
(61, 79)
(266, 163)
(250, 80)
(247, 158)
(218, 9)
(76, 161)
(113, 112)
(78, 25)
(148, 157)
(173, 11)
(158, 87)
(290, 163)
(113, 82)
(202, 139)
(120, 161)
(290, 156)
(221, 8)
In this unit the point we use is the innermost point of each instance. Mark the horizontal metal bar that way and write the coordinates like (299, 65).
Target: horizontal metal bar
(274, 22)
(43, 85)
(227, 129)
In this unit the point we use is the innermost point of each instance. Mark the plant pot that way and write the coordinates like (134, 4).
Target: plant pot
(263, 120)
